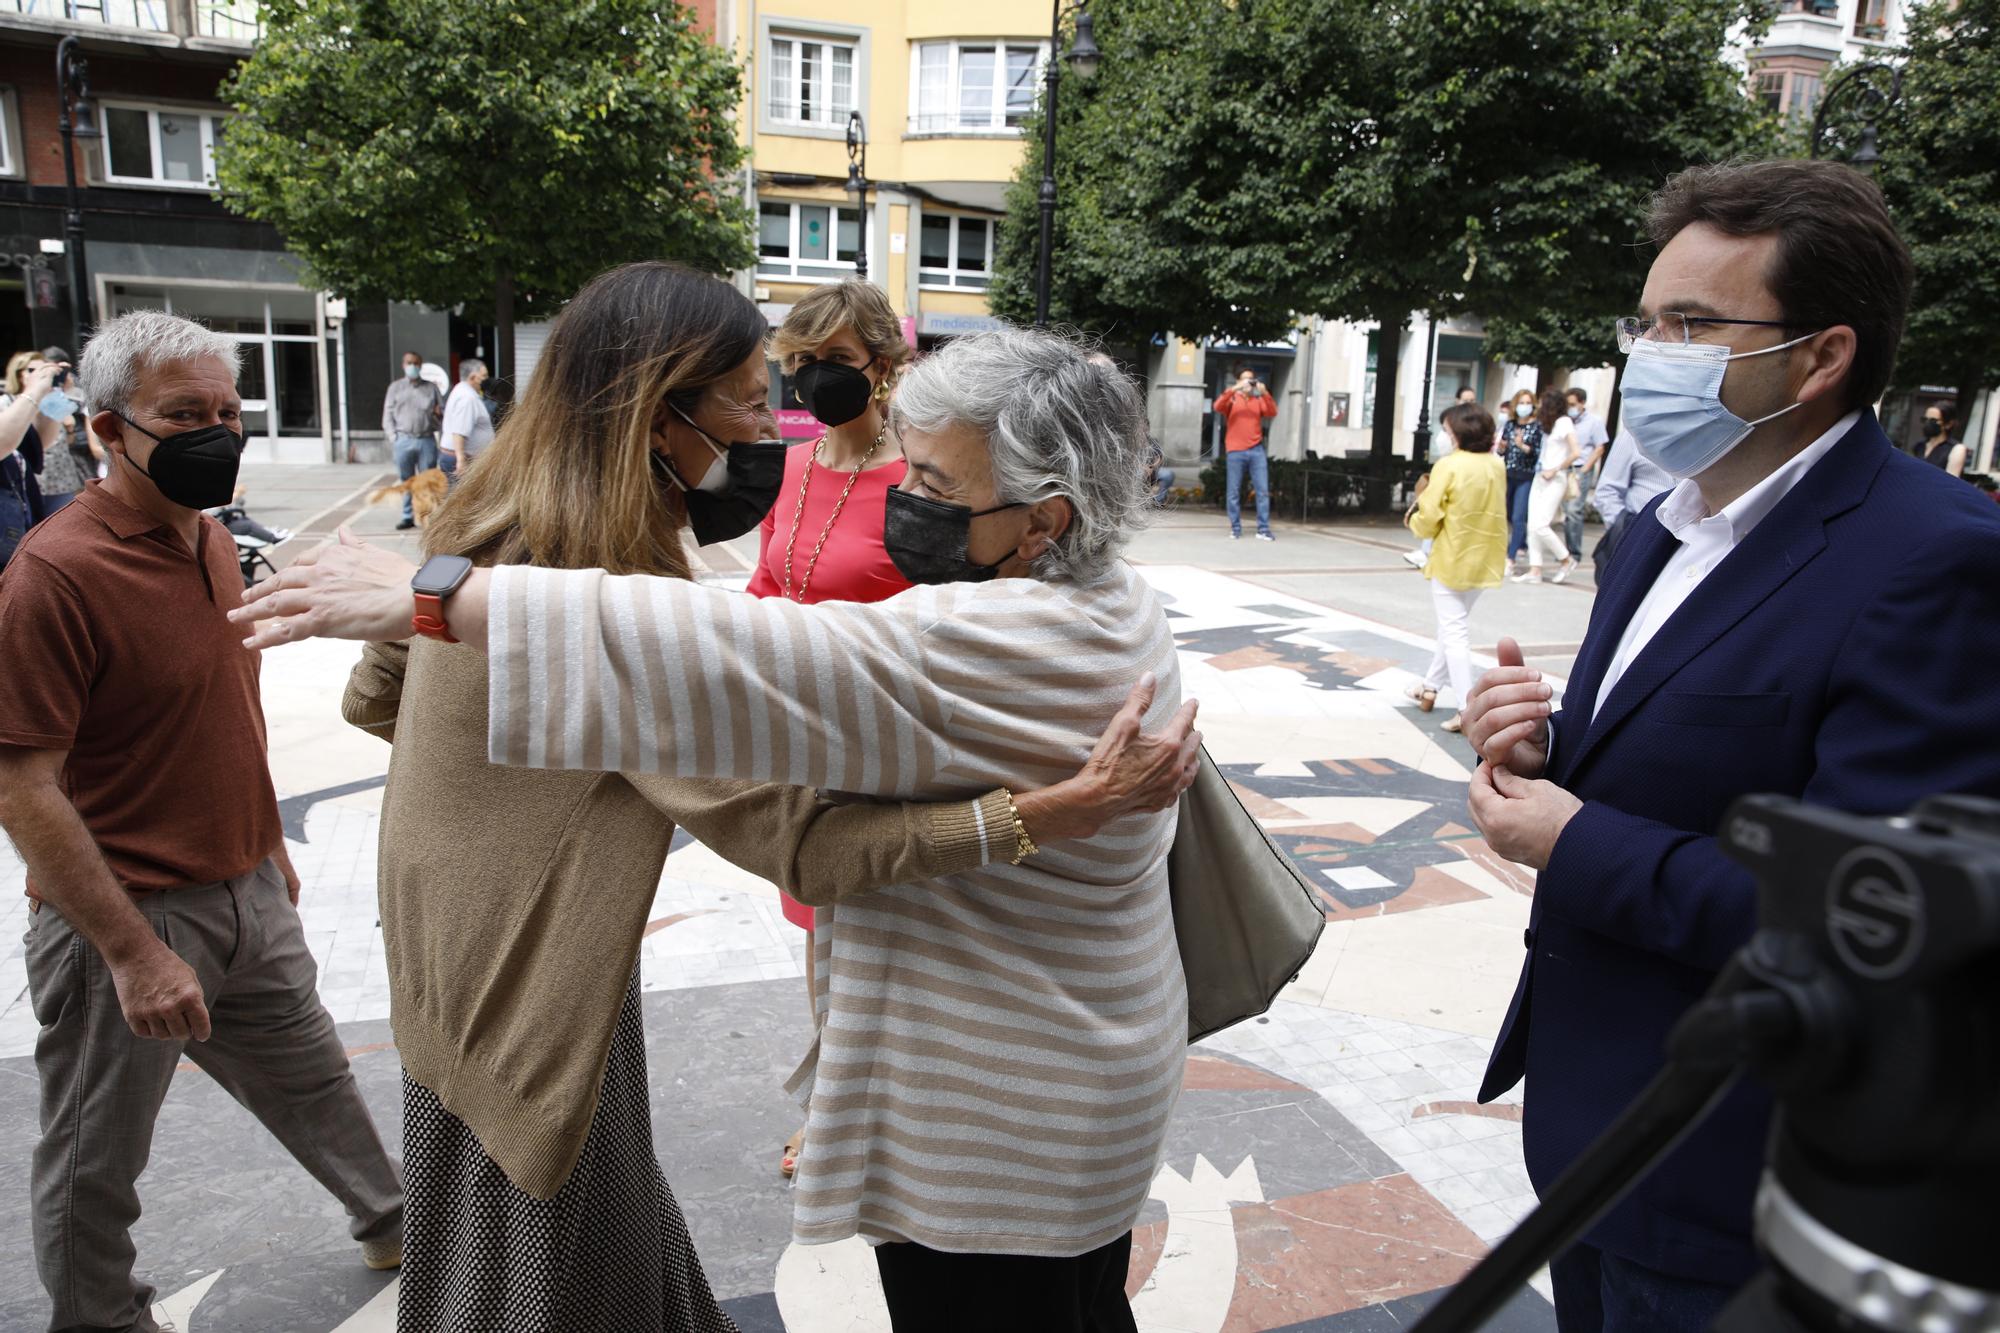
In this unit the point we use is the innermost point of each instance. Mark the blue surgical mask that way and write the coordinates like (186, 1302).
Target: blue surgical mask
(1673, 403)
(57, 405)
(1576, 414)
(413, 371)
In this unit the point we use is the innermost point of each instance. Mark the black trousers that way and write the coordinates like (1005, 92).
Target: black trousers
(930, 1291)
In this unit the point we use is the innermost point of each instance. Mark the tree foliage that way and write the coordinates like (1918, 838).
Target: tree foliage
(1234, 167)
(1940, 170)
(457, 151)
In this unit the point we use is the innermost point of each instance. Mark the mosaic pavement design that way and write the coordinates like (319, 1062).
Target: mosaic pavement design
(1327, 1169)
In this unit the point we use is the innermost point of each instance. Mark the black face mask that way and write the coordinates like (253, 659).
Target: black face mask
(756, 473)
(926, 539)
(195, 469)
(833, 393)
(1932, 429)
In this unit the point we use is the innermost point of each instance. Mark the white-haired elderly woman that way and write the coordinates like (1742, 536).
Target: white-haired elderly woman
(999, 1051)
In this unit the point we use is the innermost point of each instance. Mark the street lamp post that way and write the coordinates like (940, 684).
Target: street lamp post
(1083, 56)
(1423, 432)
(73, 88)
(857, 185)
(1862, 79)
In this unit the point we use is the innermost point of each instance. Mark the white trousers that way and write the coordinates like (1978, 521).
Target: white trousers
(1451, 663)
(1545, 506)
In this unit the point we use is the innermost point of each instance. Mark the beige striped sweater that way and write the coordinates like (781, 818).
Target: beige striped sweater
(999, 1051)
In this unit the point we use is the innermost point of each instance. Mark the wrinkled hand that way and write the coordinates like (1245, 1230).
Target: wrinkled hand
(1507, 717)
(161, 996)
(1129, 772)
(342, 589)
(41, 379)
(1519, 818)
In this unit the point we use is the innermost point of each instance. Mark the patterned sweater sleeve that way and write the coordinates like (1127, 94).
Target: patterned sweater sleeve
(658, 675)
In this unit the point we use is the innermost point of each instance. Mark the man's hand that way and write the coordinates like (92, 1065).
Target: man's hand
(1507, 717)
(283, 856)
(1129, 772)
(160, 995)
(1519, 818)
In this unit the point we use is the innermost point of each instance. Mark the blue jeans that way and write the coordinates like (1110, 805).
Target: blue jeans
(1259, 462)
(1163, 482)
(54, 500)
(414, 454)
(1602, 1293)
(1517, 513)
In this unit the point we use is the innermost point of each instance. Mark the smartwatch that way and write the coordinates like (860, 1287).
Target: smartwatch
(440, 577)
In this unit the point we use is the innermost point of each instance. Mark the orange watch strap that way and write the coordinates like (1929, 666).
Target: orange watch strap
(429, 618)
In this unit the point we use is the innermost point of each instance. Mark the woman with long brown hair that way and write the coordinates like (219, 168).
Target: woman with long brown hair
(513, 900)
(1550, 487)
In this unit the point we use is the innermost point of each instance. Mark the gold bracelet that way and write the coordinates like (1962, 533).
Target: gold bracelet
(1024, 846)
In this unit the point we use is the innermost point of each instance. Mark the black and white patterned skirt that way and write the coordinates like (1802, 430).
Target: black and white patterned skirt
(610, 1252)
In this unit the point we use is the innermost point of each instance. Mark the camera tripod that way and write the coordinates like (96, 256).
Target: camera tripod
(1869, 1002)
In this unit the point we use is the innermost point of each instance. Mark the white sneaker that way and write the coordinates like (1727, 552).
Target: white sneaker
(1532, 576)
(1265, 537)
(1415, 559)
(382, 1255)
(1562, 575)
(1236, 536)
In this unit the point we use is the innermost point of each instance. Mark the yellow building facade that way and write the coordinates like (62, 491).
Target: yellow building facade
(941, 87)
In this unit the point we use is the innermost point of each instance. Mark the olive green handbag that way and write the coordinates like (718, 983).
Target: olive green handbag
(1246, 918)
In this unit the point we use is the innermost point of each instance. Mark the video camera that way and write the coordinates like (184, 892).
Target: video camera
(1869, 1002)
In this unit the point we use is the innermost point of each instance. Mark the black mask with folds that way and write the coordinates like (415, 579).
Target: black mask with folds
(756, 475)
(833, 393)
(195, 469)
(927, 539)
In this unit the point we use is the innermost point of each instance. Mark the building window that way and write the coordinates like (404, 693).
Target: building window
(1803, 96)
(972, 86)
(1768, 87)
(1871, 19)
(147, 146)
(810, 241)
(955, 252)
(237, 19)
(148, 14)
(9, 124)
(811, 80)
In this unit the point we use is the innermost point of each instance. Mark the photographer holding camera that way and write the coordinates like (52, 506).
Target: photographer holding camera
(1770, 625)
(1245, 406)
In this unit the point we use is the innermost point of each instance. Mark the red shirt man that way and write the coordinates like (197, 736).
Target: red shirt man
(1245, 406)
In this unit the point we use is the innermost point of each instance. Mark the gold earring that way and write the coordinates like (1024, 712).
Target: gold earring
(882, 391)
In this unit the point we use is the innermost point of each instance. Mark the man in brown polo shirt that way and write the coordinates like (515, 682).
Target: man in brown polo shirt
(134, 781)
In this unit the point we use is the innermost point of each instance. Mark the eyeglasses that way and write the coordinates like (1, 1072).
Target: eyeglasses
(1674, 327)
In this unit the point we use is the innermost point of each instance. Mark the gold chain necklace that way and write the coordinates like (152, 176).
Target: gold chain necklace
(799, 510)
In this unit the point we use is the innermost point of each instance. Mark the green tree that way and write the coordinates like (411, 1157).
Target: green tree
(495, 155)
(1940, 170)
(1364, 161)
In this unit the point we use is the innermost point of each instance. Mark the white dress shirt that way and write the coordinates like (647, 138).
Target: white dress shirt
(1706, 541)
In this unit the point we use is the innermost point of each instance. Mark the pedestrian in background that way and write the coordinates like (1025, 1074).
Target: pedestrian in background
(1941, 446)
(1245, 406)
(1549, 488)
(468, 423)
(1591, 440)
(412, 411)
(1521, 451)
(1158, 474)
(21, 429)
(1462, 513)
(1625, 487)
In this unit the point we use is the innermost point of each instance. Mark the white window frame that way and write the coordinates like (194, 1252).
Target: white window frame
(787, 269)
(10, 128)
(947, 279)
(785, 112)
(204, 116)
(145, 15)
(949, 122)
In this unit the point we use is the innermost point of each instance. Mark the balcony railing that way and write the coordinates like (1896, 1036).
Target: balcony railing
(231, 20)
(148, 15)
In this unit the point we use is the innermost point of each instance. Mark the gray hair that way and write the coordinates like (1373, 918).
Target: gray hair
(124, 348)
(1056, 424)
(471, 366)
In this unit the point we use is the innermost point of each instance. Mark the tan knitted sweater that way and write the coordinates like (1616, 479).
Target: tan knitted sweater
(513, 899)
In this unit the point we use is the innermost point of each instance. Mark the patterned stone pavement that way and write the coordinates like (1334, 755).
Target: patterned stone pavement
(1327, 1169)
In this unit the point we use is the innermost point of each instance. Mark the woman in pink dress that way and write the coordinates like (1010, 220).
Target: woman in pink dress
(822, 542)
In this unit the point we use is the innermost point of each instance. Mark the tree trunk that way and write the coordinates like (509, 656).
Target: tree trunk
(1617, 402)
(1382, 442)
(503, 319)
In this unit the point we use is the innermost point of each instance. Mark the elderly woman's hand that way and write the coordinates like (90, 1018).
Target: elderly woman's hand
(1130, 772)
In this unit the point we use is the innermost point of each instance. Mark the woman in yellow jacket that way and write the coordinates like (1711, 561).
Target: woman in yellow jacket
(1463, 511)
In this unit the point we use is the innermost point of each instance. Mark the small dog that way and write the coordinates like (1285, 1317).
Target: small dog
(426, 491)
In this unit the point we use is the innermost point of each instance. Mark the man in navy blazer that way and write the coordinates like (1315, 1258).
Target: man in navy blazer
(1809, 612)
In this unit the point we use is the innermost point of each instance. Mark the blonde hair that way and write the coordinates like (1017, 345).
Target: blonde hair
(859, 306)
(568, 483)
(17, 363)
